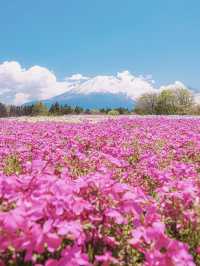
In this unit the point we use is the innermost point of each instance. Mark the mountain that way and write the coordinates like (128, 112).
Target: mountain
(93, 100)
(102, 91)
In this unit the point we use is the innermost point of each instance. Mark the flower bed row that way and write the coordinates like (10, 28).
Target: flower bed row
(117, 192)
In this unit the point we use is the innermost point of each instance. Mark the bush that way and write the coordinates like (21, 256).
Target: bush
(39, 109)
(113, 112)
(95, 112)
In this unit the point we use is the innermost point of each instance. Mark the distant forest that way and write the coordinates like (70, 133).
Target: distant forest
(55, 109)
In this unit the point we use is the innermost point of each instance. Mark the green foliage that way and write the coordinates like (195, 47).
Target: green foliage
(102, 110)
(12, 165)
(23, 110)
(87, 111)
(95, 111)
(39, 109)
(177, 101)
(3, 110)
(78, 110)
(113, 112)
(166, 103)
(55, 109)
(195, 110)
(146, 104)
(122, 110)
(66, 109)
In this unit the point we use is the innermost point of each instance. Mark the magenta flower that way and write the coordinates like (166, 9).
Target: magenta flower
(117, 192)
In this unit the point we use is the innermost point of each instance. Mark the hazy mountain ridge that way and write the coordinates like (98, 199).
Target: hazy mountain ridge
(93, 100)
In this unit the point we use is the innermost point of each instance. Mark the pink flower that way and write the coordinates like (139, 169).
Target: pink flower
(80, 188)
(106, 259)
(51, 262)
(198, 250)
(53, 241)
(114, 214)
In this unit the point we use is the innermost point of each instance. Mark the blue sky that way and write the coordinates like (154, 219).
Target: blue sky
(93, 37)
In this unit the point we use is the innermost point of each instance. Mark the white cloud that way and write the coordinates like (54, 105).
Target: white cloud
(77, 77)
(173, 86)
(19, 85)
(21, 98)
(123, 82)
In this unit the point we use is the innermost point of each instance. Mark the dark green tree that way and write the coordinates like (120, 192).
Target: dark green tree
(3, 110)
(66, 109)
(78, 110)
(122, 110)
(87, 111)
(27, 110)
(55, 109)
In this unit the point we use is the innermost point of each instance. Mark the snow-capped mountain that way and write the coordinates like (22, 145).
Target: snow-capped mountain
(19, 85)
(102, 91)
(93, 100)
(123, 82)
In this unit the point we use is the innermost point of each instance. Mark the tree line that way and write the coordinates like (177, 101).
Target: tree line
(55, 109)
(179, 101)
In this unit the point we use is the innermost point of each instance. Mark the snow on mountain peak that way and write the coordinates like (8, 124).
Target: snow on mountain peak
(19, 85)
(124, 82)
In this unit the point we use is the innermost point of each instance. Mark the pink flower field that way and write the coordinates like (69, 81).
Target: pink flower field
(116, 192)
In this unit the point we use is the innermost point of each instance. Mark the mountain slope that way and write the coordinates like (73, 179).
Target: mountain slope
(103, 91)
(92, 100)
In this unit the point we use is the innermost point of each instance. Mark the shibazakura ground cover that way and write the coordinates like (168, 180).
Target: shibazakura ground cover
(116, 192)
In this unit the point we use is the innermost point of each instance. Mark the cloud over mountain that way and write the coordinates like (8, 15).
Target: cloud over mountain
(175, 85)
(19, 85)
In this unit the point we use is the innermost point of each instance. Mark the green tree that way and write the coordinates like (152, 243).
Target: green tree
(166, 103)
(78, 110)
(102, 110)
(146, 104)
(175, 101)
(95, 111)
(194, 110)
(39, 109)
(185, 100)
(122, 110)
(55, 109)
(66, 109)
(87, 111)
(113, 112)
(27, 110)
(3, 110)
